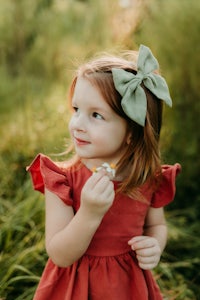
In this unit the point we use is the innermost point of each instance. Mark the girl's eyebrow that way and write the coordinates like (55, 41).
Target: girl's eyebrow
(101, 110)
(98, 108)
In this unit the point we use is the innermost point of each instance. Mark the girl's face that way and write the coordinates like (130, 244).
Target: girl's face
(98, 133)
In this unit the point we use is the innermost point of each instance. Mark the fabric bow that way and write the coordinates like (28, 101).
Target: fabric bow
(134, 102)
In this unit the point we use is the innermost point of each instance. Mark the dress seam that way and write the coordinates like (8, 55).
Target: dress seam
(108, 256)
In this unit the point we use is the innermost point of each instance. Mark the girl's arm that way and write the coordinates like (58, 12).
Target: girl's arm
(149, 247)
(67, 235)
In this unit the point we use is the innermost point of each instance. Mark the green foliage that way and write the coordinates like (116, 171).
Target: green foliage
(22, 224)
(40, 42)
(171, 29)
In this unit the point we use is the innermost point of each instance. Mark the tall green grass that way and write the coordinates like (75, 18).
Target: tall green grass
(23, 135)
(37, 60)
(22, 226)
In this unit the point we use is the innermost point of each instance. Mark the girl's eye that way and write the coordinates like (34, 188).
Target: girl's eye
(75, 109)
(97, 116)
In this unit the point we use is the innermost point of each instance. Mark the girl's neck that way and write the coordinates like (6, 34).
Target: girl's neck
(93, 163)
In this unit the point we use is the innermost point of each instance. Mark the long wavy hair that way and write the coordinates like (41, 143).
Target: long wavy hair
(141, 155)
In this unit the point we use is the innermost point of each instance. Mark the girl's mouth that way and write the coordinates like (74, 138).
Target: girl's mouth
(80, 142)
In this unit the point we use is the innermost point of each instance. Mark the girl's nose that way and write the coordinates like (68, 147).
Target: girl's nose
(78, 122)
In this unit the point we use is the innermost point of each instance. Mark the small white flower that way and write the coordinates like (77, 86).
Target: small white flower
(110, 168)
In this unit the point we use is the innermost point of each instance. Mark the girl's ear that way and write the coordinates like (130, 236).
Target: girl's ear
(128, 138)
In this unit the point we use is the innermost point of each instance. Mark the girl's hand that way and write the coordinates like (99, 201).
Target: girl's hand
(147, 251)
(97, 194)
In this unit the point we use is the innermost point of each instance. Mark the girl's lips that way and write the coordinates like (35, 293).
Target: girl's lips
(80, 142)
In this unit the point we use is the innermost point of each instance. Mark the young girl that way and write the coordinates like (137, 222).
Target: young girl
(105, 224)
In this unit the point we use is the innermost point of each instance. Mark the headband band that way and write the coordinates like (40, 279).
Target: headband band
(134, 102)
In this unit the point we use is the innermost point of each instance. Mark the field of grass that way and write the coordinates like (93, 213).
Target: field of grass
(37, 62)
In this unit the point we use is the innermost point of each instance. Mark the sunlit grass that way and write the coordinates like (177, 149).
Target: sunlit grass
(35, 73)
(22, 244)
(26, 131)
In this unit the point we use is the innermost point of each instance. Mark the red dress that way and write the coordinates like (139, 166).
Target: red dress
(108, 270)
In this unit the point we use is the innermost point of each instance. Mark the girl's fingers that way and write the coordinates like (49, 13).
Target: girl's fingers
(98, 192)
(94, 179)
(148, 252)
(147, 266)
(138, 238)
(148, 262)
(145, 247)
(141, 242)
(146, 259)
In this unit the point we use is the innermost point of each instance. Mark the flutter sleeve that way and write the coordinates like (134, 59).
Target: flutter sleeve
(167, 188)
(46, 174)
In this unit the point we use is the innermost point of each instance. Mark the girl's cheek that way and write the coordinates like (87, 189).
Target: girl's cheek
(70, 126)
(72, 122)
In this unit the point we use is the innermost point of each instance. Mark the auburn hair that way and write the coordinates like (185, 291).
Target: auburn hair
(141, 154)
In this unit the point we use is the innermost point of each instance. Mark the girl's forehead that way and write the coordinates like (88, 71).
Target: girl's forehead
(84, 87)
(87, 92)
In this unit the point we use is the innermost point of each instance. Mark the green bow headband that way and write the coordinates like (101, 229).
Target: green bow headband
(134, 102)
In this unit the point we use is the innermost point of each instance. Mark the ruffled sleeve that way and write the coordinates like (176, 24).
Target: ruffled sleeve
(167, 188)
(46, 174)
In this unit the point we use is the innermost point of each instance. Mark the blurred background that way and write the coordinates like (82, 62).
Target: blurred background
(41, 43)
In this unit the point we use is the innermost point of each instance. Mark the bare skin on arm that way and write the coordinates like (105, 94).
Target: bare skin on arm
(67, 235)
